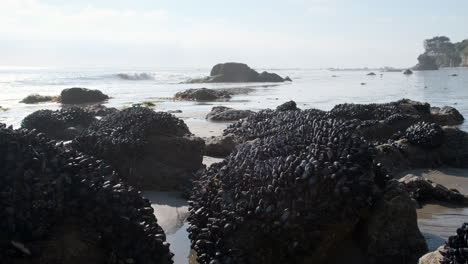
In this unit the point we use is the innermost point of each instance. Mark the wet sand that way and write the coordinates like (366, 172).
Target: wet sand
(201, 127)
(436, 221)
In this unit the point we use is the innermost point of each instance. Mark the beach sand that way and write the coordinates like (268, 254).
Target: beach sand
(201, 127)
(437, 221)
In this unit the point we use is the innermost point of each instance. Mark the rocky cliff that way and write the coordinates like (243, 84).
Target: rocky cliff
(441, 52)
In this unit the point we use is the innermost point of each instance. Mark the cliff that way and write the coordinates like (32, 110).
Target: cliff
(441, 52)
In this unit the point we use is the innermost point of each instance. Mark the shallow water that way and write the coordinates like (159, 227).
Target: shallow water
(310, 89)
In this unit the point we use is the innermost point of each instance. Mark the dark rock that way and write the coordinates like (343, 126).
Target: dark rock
(456, 247)
(288, 106)
(64, 124)
(287, 79)
(371, 74)
(446, 115)
(219, 146)
(203, 94)
(60, 206)
(222, 113)
(81, 95)
(100, 110)
(174, 111)
(237, 72)
(36, 98)
(151, 150)
(426, 63)
(428, 135)
(297, 194)
(408, 72)
(425, 191)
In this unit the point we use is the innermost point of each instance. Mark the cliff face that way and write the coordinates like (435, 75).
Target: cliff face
(440, 52)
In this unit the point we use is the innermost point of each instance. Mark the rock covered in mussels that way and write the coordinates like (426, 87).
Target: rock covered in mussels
(295, 195)
(456, 247)
(60, 206)
(425, 134)
(152, 150)
(64, 124)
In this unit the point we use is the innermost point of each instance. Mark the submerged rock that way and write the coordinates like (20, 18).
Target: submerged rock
(60, 206)
(288, 106)
(222, 113)
(77, 95)
(64, 124)
(202, 94)
(304, 189)
(36, 98)
(237, 72)
(151, 150)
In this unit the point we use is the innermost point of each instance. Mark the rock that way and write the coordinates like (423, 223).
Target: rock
(426, 63)
(456, 248)
(219, 146)
(64, 124)
(202, 94)
(371, 74)
(100, 110)
(303, 190)
(428, 135)
(287, 79)
(174, 111)
(36, 98)
(60, 206)
(81, 95)
(408, 72)
(425, 191)
(432, 257)
(454, 75)
(447, 116)
(237, 72)
(150, 150)
(288, 106)
(222, 113)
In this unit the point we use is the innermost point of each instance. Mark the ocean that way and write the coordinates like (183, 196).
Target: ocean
(310, 88)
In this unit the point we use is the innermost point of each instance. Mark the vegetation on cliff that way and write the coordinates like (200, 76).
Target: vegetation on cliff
(441, 52)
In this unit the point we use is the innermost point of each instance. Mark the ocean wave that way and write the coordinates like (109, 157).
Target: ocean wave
(135, 76)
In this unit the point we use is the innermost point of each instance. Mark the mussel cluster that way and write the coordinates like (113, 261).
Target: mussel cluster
(456, 248)
(365, 111)
(269, 122)
(60, 206)
(288, 106)
(60, 124)
(291, 196)
(425, 134)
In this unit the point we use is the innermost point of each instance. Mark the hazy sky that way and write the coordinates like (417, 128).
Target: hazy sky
(200, 33)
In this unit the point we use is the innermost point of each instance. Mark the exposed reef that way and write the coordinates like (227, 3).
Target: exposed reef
(60, 206)
(36, 98)
(305, 188)
(77, 95)
(232, 72)
(151, 150)
(203, 94)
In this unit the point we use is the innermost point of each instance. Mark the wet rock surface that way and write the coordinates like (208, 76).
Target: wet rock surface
(426, 191)
(151, 150)
(222, 113)
(304, 189)
(288, 106)
(203, 94)
(36, 98)
(220, 146)
(237, 72)
(64, 124)
(60, 206)
(456, 248)
(78, 95)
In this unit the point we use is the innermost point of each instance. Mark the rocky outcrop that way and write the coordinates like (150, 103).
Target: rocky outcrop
(36, 98)
(220, 146)
(425, 191)
(77, 95)
(232, 72)
(426, 63)
(100, 110)
(151, 150)
(307, 187)
(456, 248)
(203, 94)
(226, 114)
(427, 135)
(447, 116)
(408, 72)
(64, 124)
(288, 106)
(60, 206)
(371, 74)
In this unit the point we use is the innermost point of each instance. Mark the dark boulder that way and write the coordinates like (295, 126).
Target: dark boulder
(81, 95)
(288, 106)
(233, 72)
(222, 113)
(428, 135)
(371, 74)
(203, 94)
(456, 248)
(408, 72)
(60, 206)
(446, 115)
(301, 192)
(151, 150)
(219, 146)
(64, 124)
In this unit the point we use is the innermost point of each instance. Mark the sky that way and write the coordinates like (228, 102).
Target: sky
(201, 33)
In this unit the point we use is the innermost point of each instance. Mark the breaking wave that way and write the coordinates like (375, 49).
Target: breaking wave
(135, 76)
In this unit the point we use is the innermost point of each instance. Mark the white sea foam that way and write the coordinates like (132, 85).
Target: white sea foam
(135, 76)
